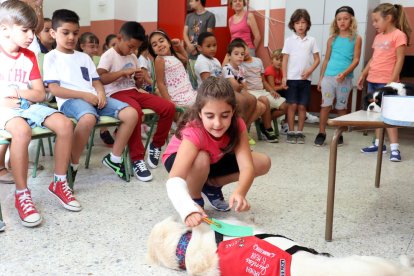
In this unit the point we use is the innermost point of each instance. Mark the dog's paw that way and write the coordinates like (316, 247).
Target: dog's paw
(407, 261)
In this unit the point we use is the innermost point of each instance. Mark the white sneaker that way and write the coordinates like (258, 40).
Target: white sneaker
(284, 129)
(311, 119)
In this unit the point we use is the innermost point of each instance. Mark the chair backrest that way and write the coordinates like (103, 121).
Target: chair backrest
(40, 59)
(96, 60)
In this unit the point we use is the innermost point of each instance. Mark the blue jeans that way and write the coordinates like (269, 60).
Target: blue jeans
(373, 86)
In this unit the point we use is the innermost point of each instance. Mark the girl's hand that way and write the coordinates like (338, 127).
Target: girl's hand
(340, 78)
(176, 44)
(360, 83)
(319, 85)
(242, 203)
(194, 219)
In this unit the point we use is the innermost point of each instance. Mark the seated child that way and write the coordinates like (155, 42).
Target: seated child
(170, 60)
(72, 78)
(209, 150)
(20, 113)
(89, 44)
(110, 41)
(115, 68)
(250, 107)
(273, 74)
(46, 41)
(206, 64)
(146, 66)
(260, 88)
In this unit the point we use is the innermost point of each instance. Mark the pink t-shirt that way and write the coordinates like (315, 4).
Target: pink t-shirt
(202, 140)
(385, 56)
(241, 30)
(277, 74)
(111, 61)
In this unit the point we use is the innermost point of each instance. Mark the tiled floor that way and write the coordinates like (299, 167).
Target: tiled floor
(109, 236)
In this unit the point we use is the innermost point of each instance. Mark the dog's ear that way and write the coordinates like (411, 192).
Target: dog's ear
(367, 100)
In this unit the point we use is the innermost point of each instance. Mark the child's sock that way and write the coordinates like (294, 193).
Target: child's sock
(298, 131)
(21, 191)
(116, 159)
(376, 142)
(59, 178)
(74, 166)
(394, 146)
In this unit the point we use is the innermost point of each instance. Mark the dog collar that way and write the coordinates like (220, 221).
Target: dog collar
(182, 249)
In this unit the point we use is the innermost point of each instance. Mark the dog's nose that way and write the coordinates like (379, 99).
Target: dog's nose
(371, 107)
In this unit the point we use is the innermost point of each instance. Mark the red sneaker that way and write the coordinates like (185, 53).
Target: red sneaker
(28, 214)
(62, 191)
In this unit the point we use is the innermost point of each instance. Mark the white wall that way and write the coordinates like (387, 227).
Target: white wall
(81, 7)
(91, 10)
(404, 3)
(263, 4)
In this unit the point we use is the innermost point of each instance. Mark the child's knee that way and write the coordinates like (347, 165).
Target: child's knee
(202, 161)
(128, 114)
(87, 120)
(262, 163)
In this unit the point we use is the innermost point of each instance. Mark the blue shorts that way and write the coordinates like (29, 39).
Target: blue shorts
(35, 115)
(76, 108)
(298, 92)
(373, 86)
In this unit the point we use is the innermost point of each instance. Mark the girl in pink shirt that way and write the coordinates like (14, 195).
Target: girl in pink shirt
(209, 150)
(386, 62)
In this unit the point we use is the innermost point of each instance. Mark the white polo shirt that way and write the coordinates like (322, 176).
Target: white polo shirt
(300, 53)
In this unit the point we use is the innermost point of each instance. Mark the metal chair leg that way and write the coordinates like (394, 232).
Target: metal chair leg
(88, 155)
(152, 127)
(36, 161)
(49, 140)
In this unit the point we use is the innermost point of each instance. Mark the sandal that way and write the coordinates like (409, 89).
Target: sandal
(6, 178)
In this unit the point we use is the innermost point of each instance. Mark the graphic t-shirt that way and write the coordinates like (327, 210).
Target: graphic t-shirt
(17, 71)
(111, 61)
(385, 56)
(231, 72)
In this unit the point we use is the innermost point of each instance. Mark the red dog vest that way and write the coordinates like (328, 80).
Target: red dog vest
(252, 256)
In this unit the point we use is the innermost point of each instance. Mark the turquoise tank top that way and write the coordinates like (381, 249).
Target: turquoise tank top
(342, 55)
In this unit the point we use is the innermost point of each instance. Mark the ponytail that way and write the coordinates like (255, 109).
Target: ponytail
(402, 23)
(398, 15)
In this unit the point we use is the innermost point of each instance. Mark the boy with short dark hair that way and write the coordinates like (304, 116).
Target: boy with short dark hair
(116, 67)
(197, 22)
(71, 76)
(22, 87)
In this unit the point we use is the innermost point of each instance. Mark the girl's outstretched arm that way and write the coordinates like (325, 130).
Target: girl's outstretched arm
(246, 175)
(178, 186)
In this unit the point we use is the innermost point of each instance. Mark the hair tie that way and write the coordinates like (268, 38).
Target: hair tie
(347, 9)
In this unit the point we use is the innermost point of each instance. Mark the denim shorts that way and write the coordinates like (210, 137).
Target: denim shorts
(76, 108)
(35, 115)
(298, 92)
(373, 86)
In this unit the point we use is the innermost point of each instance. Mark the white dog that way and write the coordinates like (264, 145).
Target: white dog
(201, 256)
